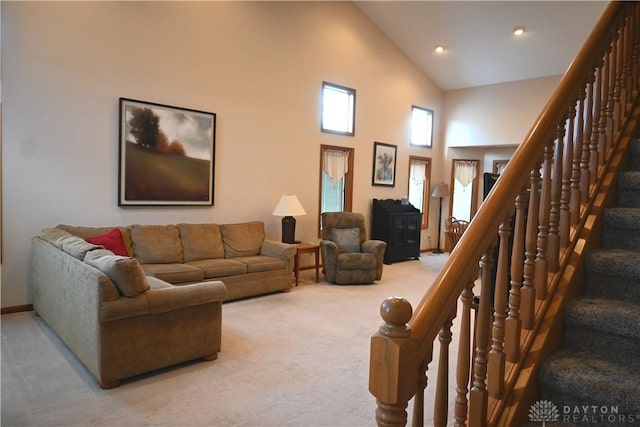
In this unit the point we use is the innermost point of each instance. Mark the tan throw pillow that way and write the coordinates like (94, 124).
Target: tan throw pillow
(156, 244)
(347, 239)
(55, 236)
(125, 272)
(201, 241)
(242, 239)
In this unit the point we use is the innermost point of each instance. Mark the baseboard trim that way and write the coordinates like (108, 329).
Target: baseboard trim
(16, 309)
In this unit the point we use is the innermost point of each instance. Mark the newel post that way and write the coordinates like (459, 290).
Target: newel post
(393, 366)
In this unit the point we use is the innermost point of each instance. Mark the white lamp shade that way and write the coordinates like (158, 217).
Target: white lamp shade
(440, 190)
(289, 205)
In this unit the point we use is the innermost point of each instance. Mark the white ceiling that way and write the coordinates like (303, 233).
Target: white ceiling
(481, 47)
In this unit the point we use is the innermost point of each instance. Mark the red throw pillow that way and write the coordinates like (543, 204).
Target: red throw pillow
(111, 241)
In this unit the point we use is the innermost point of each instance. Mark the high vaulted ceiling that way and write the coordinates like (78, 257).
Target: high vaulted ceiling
(478, 35)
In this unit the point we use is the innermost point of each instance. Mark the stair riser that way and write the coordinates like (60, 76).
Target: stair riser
(628, 198)
(634, 163)
(614, 348)
(620, 238)
(602, 285)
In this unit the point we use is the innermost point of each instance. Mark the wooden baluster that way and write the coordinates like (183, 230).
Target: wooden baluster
(418, 400)
(611, 123)
(441, 403)
(635, 50)
(574, 205)
(528, 293)
(617, 76)
(542, 242)
(464, 357)
(513, 323)
(394, 363)
(595, 135)
(567, 171)
(584, 159)
(497, 359)
(553, 248)
(605, 136)
(478, 397)
(626, 43)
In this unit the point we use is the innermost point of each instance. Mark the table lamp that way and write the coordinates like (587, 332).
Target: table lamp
(288, 207)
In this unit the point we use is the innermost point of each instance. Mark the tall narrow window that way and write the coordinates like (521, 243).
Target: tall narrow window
(421, 126)
(336, 179)
(419, 184)
(338, 109)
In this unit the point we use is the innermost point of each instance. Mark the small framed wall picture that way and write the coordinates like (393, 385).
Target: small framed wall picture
(384, 164)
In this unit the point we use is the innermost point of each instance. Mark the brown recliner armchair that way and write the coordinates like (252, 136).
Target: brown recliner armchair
(347, 256)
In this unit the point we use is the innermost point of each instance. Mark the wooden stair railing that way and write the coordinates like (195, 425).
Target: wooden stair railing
(541, 216)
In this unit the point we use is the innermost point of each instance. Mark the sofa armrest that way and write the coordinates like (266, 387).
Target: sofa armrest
(329, 251)
(163, 299)
(377, 248)
(284, 251)
(174, 297)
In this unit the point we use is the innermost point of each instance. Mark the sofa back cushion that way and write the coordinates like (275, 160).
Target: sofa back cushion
(85, 232)
(125, 272)
(156, 244)
(243, 239)
(75, 246)
(201, 241)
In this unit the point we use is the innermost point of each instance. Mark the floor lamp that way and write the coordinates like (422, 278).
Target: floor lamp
(441, 190)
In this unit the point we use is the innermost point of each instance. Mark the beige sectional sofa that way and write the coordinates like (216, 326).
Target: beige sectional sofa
(133, 299)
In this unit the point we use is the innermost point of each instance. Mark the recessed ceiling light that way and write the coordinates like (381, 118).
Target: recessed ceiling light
(519, 30)
(439, 48)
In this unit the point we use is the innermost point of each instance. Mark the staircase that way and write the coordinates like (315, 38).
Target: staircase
(595, 379)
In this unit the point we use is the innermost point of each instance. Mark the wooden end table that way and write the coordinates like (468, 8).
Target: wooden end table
(307, 248)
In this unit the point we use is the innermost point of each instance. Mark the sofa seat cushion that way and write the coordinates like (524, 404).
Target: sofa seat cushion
(243, 239)
(156, 244)
(219, 267)
(356, 261)
(174, 272)
(201, 241)
(258, 263)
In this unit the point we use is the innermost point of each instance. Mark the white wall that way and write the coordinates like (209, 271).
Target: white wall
(258, 66)
(495, 115)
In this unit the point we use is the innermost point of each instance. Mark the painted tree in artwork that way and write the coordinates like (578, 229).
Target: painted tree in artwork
(145, 126)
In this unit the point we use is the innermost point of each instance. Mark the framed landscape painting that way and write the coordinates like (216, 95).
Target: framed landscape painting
(384, 164)
(166, 155)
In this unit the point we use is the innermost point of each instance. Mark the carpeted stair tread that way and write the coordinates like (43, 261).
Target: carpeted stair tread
(586, 379)
(634, 147)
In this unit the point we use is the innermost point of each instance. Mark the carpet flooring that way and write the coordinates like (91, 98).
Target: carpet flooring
(288, 359)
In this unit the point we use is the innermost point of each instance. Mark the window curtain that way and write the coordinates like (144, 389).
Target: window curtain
(334, 164)
(465, 171)
(417, 172)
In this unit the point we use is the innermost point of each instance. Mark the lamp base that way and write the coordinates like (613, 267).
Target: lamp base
(288, 229)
